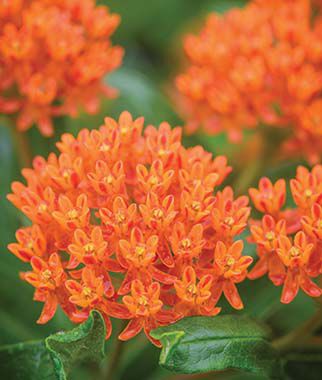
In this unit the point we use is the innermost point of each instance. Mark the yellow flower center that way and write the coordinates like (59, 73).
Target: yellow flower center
(29, 245)
(157, 213)
(104, 148)
(72, 214)
(124, 130)
(153, 180)
(139, 251)
(308, 193)
(161, 152)
(87, 291)
(108, 179)
(229, 220)
(89, 247)
(230, 261)
(192, 289)
(294, 252)
(185, 243)
(120, 217)
(46, 274)
(142, 301)
(66, 174)
(270, 235)
(42, 207)
(196, 206)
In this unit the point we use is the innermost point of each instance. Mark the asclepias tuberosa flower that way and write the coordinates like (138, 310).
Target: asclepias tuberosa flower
(132, 224)
(289, 242)
(54, 55)
(254, 66)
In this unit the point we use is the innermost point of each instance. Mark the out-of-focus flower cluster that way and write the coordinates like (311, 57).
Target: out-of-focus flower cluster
(289, 242)
(53, 57)
(259, 64)
(129, 224)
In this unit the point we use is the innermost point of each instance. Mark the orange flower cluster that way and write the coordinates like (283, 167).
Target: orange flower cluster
(289, 242)
(259, 64)
(53, 56)
(128, 223)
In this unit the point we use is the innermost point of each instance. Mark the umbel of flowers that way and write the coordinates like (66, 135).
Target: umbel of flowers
(258, 65)
(131, 224)
(53, 56)
(289, 242)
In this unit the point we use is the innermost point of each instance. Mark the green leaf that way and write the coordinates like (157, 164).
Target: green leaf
(26, 361)
(141, 96)
(54, 357)
(83, 342)
(204, 344)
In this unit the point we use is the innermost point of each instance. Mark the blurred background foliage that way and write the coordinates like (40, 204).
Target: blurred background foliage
(151, 33)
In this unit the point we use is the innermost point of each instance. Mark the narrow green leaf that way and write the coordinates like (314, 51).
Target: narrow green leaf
(203, 344)
(54, 357)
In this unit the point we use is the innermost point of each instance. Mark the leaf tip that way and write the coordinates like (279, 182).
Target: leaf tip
(169, 341)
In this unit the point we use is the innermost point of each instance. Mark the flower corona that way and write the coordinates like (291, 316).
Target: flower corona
(54, 54)
(132, 224)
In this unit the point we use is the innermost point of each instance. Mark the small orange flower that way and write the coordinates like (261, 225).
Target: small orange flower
(89, 293)
(120, 219)
(196, 204)
(139, 253)
(312, 224)
(158, 216)
(267, 238)
(307, 187)
(296, 257)
(229, 217)
(163, 143)
(155, 180)
(230, 267)
(46, 275)
(269, 198)
(108, 182)
(86, 249)
(146, 308)
(47, 278)
(195, 298)
(71, 216)
(197, 177)
(31, 242)
(38, 207)
(93, 293)
(187, 246)
(64, 172)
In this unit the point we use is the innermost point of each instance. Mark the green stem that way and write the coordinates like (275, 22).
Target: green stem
(116, 354)
(248, 176)
(301, 335)
(21, 142)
